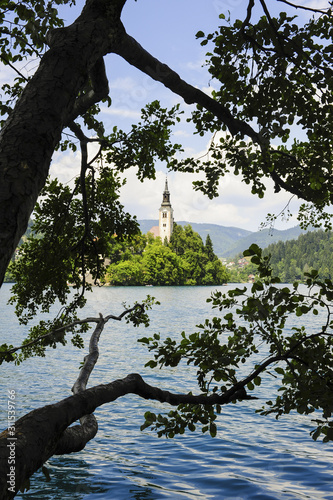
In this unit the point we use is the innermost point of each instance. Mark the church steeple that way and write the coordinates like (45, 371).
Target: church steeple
(165, 215)
(166, 194)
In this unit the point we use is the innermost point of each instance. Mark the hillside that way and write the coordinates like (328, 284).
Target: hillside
(312, 250)
(264, 238)
(230, 241)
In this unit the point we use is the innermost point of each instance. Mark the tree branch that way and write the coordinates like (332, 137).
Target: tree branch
(63, 328)
(99, 89)
(38, 433)
(75, 438)
(50, 423)
(136, 55)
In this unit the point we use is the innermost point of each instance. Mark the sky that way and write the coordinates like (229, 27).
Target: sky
(167, 28)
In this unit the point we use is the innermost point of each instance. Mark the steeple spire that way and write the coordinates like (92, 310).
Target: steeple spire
(166, 194)
(165, 215)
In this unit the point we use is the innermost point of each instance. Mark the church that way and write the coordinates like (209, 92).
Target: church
(165, 218)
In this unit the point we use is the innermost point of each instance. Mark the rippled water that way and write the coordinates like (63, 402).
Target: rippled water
(252, 457)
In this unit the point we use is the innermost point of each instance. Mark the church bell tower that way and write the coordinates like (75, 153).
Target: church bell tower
(165, 215)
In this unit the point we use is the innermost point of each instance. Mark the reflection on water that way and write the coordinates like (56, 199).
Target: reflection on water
(252, 457)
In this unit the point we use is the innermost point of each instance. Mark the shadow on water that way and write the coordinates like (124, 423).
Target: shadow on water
(69, 478)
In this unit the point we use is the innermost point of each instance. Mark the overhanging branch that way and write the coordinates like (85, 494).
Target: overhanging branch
(130, 50)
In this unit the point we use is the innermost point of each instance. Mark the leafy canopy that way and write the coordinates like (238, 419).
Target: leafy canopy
(273, 81)
(276, 75)
(257, 331)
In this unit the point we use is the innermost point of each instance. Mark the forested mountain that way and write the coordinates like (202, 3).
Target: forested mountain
(312, 250)
(263, 239)
(230, 241)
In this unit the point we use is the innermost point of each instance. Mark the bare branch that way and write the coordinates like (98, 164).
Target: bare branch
(304, 7)
(68, 326)
(75, 438)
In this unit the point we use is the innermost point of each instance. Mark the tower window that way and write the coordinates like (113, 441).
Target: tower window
(165, 215)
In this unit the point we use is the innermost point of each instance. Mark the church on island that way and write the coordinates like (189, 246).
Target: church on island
(165, 218)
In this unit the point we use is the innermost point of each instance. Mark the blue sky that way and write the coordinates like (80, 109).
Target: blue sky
(167, 28)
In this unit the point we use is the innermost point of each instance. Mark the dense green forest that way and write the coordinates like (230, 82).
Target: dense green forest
(185, 260)
(313, 250)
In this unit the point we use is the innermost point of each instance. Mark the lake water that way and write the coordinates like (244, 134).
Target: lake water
(253, 457)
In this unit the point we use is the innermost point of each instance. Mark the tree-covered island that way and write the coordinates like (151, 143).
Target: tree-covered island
(185, 260)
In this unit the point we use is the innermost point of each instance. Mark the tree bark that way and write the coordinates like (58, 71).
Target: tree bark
(38, 434)
(52, 99)
(45, 108)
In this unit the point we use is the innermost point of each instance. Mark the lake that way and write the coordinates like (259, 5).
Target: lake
(253, 457)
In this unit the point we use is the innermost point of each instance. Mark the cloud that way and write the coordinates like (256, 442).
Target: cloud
(122, 112)
(65, 167)
(125, 83)
(235, 205)
(317, 4)
(7, 74)
(196, 65)
(182, 133)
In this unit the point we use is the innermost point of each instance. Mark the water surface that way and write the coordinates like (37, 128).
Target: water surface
(252, 457)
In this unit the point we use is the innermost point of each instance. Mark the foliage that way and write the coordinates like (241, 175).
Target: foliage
(185, 261)
(24, 28)
(276, 75)
(72, 231)
(273, 81)
(256, 335)
(292, 258)
(49, 333)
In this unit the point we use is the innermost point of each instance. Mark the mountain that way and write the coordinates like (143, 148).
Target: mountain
(230, 241)
(263, 239)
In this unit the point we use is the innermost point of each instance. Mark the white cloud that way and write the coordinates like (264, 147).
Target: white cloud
(317, 4)
(196, 65)
(235, 206)
(65, 167)
(7, 74)
(181, 133)
(125, 83)
(122, 112)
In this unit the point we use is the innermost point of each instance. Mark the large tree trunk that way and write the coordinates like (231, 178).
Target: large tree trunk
(51, 101)
(45, 108)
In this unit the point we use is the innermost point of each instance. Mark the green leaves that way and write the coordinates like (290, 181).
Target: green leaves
(148, 141)
(186, 416)
(277, 75)
(253, 331)
(183, 261)
(24, 26)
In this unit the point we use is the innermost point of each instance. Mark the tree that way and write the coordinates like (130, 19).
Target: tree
(185, 261)
(312, 250)
(209, 248)
(274, 78)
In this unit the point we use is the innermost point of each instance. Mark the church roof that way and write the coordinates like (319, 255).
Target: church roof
(155, 230)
